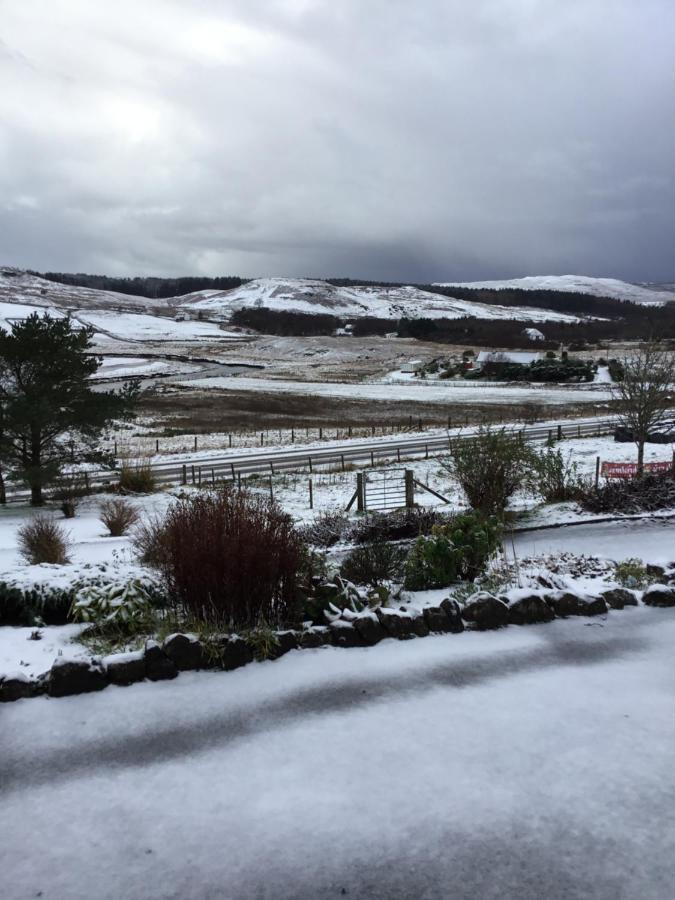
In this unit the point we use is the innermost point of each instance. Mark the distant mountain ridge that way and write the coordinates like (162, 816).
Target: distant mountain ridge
(613, 288)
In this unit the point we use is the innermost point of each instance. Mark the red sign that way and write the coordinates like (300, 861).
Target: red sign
(629, 470)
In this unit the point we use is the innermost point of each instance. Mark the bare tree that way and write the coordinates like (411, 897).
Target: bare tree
(645, 394)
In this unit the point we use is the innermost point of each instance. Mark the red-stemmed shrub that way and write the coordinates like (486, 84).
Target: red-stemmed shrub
(227, 558)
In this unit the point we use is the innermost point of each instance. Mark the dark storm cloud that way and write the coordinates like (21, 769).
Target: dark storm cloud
(377, 138)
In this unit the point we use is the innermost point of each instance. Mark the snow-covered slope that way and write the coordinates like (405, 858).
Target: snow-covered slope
(314, 296)
(598, 287)
(17, 286)
(14, 312)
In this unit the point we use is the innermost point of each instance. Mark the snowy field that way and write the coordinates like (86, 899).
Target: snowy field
(530, 763)
(11, 313)
(448, 392)
(140, 327)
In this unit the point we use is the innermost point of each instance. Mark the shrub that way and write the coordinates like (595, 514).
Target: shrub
(149, 540)
(118, 516)
(556, 477)
(374, 563)
(433, 562)
(45, 603)
(327, 528)
(263, 641)
(649, 493)
(121, 606)
(40, 604)
(68, 491)
(42, 540)
(137, 478)
(632, 573)
(14, 609)
(396, 526)
(229, 558)
(490, 468)
(459, 549)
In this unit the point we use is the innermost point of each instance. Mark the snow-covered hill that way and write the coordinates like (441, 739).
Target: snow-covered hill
(313, 296)
(17, 286)
(598, 287)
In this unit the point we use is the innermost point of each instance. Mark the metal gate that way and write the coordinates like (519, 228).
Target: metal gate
(385, 489)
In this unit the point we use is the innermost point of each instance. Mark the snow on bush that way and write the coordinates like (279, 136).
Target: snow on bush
(123, 605)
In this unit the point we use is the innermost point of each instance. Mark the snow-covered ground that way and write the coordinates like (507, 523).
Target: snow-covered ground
(10, 313)
(331, 490)
(583, 284)
(31, 651)
(138, 366)
(535, 762)
(139, 327)
(421, 391)
(18, 286)
(651, 541)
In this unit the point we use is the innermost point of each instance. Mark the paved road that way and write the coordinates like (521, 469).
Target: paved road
(531, 763)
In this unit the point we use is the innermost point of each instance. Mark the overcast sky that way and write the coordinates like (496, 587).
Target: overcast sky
(390, 139)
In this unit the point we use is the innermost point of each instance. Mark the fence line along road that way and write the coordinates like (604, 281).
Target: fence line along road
(207, 469)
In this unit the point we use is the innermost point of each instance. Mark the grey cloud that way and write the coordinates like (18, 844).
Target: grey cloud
(385, 139)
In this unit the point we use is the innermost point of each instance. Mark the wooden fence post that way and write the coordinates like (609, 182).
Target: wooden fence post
(409, 488)
(560, 434)
(597, 471)
(184, 474)
(360, 493)
(311, 494)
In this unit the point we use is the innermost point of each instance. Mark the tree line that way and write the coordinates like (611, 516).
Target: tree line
(145, 286)
(645, 324)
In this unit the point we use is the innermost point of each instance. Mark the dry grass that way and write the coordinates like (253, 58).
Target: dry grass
(118, 515)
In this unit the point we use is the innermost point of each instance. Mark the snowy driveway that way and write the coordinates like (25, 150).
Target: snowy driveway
(651, 540)
(529, 763)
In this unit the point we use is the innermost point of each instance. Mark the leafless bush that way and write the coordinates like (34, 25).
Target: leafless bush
(490, 467)
(42, 540)
(327, 529)
(228, 558)
(69, 490)
(118, 516)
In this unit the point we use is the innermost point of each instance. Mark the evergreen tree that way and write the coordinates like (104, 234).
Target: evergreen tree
(49, 414)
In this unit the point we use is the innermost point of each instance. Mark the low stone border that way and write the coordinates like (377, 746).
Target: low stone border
(184, 652)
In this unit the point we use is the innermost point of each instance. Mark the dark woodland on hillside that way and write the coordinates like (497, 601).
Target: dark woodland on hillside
(643, 323)
(145, 286)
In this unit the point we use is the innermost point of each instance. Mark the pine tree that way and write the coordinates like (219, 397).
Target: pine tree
(48, 411)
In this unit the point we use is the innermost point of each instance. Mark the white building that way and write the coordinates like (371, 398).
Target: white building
(412, 366)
